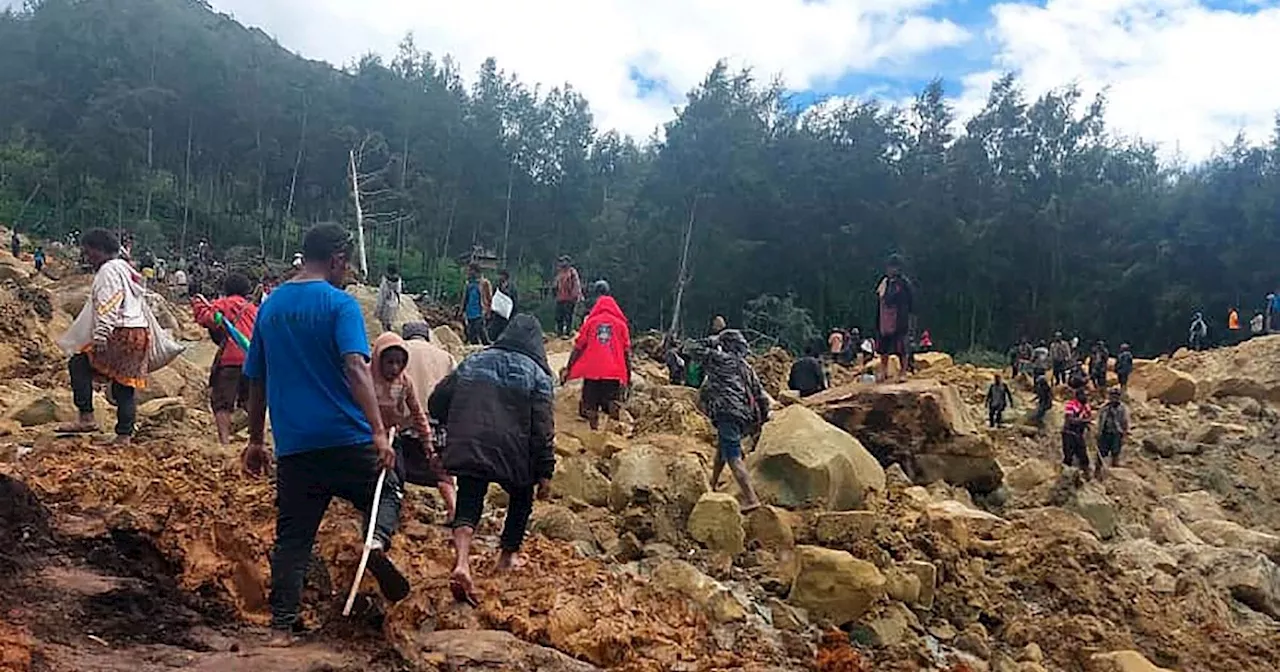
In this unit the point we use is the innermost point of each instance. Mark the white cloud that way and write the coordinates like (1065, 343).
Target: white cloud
(1177, 72)
(593, 44)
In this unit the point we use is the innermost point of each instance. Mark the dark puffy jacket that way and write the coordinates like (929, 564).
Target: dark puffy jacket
(731, 390)
(497, 410)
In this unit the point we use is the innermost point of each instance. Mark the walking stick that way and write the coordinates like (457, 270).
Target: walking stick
(368, 541)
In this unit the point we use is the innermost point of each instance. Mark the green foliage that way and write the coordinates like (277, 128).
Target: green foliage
(784, 323)
(981, 357)
(1033, 218)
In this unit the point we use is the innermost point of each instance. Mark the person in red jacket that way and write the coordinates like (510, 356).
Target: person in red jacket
(601, 357)
(227, 389)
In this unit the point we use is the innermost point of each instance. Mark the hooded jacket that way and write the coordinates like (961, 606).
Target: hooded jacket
(603, 343)
(498, 409)
(731, 390)
(428, 363)
(398, 399)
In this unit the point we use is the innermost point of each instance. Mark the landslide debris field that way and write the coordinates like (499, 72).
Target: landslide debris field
(967, 552)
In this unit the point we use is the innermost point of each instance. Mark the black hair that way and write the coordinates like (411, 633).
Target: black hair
(236, 284)
(101, 240)
(323, 241)
(895, 261)
(473, 266)
(393, 270)
(504, 273)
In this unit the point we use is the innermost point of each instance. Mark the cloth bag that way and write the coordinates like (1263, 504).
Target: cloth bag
(162, 347)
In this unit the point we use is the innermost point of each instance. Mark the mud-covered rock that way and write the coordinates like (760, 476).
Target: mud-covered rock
(843, 528)
(771, 528)
(1093, 504)
(1167, 528)
(1246, 575)
(482, 650)
(833, 585)
(923, 425)
(803, 460)
(577, 477)
(1195, 505)
(557, 522)
(1231, 535)
(41, 410)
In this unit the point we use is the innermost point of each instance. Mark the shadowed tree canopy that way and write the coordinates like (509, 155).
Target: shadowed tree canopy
(169, 120)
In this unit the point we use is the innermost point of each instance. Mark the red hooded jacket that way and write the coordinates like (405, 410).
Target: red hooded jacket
(603, 341)
(239, 311)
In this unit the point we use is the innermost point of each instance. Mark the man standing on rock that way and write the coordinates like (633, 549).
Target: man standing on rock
(999, 398)
(477, 305)
(1113, 427)
(568, 295)
(895, 299)
(498, 410)
(1044, 400)
(601, 357)
(1059, 355)
(308, 363)
(1124, 366)
(734, 399)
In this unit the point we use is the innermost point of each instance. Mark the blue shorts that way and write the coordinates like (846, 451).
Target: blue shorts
(730, 439)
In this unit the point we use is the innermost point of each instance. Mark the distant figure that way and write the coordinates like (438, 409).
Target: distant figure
(506, 302)
(718, 324)
(297, 260)
(1124, 366)
(1098, 361)
(1113, 427)
(601, 357)
(807, 376)
(1044, 399)
(1040, 358)
(1273, 307)
(998, 398)
(852, 337)
(1233, 326)
(1199, 332)
(835, 343)
(673, 360)
(896, 304)
(1257, 325)
(926, 341)
(228, 390)
(39, 259)
(477, 302)
(1077, 379)
(389, 290)
(178, 283)
(568, 295)
(1075, 453)
(15, 244)
(1059, 356)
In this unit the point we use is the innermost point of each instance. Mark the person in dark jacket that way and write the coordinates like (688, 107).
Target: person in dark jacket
(1044, 399)
(895, 299)
(497, 410)
(1124, 366)
(1059, 356)
(998, 398)
(807, 376)
(1098, 360)
(734, 399)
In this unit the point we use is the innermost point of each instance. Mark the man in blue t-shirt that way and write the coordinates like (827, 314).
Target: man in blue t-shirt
(307, 363)
(477, 303)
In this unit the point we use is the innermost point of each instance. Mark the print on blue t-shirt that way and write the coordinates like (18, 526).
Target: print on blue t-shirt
(473, 300)
(299, 341)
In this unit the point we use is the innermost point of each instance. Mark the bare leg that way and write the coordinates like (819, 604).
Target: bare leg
(450, 495)
(883, 374)
(460, 580)
(716, 469)
(223, 420)
(739, 469)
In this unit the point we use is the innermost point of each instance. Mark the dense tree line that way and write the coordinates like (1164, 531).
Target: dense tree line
(169, 120)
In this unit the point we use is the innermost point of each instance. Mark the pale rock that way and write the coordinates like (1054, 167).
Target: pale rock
(41, 410)
(802, 460)
(1167, 528)
(894, 476)
(1194, 505)
(925, 361)
(1030, 474)
(1143, 555)
(1122, 661)
(716, 522)
(448, 339)
(1228, 534)
(643, 474)
(557, 522)
(711, 595)
(1163, 383)
(902, 585)
(974, 640)
(918, 496)
(486, 649)
(786, 617)
(842, 528)
(927, 573)
(977, 521)
(889, 626)
(576, 476)
(1093, 504)
(1246, 575)
(770, 527)
(833, 585)
(1031, 653)
(167, 410)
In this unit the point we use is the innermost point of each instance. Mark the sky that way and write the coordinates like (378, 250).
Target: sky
(1188, 75)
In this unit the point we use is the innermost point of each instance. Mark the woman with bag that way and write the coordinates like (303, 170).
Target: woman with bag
(117, 343)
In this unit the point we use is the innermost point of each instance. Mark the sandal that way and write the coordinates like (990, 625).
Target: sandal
(76, 428)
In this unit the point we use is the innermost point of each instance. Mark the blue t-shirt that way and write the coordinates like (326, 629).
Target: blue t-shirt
(473, 299)
(1275, 303)
(299, 341)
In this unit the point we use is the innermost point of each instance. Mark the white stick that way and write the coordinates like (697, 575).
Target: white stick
(368, 543)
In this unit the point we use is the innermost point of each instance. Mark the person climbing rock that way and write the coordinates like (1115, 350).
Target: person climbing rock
(998, 399)
(1099, 358)
(1044, 400)
(1113, 427)
(601, 357)
(308, 364)
(1124, 366)
(806, 375)
(389, 290)
(428, 365)
(568, 295)
(506, 302)
(896, 302)
(115, 347)
(402, 410)
(1059, 357)
(228, 389)
(497, 410)
(1199, 332)
(477, 302)
(1078, 416)
(734, 399)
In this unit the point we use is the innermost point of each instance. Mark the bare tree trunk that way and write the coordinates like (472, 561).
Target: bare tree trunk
(355, 195)
(293, 183)
(683, 278)
(150, 166)
(506, 229)
(448, 232)
(186, 192)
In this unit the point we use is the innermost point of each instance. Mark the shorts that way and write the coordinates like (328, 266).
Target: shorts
(600, 395)
(1109, 444)
(415, 466)
(729, 439)
(892, 344)
(228, 390)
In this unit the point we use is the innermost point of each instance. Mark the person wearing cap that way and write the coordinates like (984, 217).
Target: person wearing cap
(1113, 427)
(895, 298)
(601, 357)
(568, 295)
(308, 363)
(734, 399)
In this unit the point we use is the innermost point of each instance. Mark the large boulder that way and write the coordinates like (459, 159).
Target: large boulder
(1122, 661)
(446, 338)
(1246, 575)
(716, 599)
(1093, 504)
(1167, 528)
(834, 585)
(656, 488)
(923, 425)
(1163, 383)
(577, 477)
(802, 460)
(1194, 506)
(1231, 535)
(717, 524)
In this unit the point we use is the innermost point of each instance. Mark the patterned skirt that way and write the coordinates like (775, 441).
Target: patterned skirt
(125, 359)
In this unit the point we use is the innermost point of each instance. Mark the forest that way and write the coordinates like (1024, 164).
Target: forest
(171, 121)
